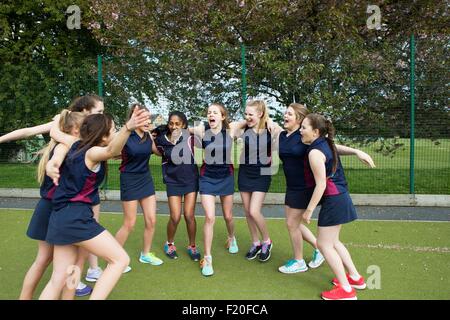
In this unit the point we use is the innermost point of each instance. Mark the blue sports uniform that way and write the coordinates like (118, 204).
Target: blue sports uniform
(72, 220)
(255, 156)
(217, 171)
(37, 228)
(337, 207)
(180, 172)
(135, 179)
(292, 152)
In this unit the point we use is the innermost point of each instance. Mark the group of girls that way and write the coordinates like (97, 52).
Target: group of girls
(67, 228)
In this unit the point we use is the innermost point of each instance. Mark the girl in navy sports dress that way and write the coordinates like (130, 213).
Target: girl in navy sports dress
(71, 222)
(292, 152)
(216, 178)
(324, 173)
(70, 123)
(180, 174)
(255, 176)
(87, 104)
(136, 187)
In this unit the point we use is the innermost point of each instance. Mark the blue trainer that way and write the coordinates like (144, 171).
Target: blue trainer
(83, 290)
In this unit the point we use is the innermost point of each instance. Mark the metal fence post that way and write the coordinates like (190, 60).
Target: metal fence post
(412, 114)
(100, 75)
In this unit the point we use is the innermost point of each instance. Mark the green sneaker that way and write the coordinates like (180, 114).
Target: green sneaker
(150, 258)
(317, 259)
(231, 245)
(206, 266)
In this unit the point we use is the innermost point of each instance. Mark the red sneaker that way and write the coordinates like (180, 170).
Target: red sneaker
(338, 293)
(360, 284)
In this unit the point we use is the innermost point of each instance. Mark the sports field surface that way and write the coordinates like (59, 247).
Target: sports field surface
(413, 259)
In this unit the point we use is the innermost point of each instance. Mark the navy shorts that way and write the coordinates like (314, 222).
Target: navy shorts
(250, 179)
(336, 210)
(298, 199)
(37, 229)
(72, 224)
(181, 190)
(136, 186)
(216, 187)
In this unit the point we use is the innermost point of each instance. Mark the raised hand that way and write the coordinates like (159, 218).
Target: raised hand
(139, 118)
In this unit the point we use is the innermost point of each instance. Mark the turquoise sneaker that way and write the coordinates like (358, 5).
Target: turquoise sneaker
(293, 266)
(317, 259)
(150, 258)
(231, 245)
(206, 266)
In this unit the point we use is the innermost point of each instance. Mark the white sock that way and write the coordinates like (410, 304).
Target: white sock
(81, 286)
(347, 288)
(355, 278)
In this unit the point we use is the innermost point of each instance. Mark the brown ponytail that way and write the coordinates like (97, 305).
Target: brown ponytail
(327, 131)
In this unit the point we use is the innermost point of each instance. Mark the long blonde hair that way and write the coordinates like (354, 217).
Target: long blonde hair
(67, 121)
(261, 107)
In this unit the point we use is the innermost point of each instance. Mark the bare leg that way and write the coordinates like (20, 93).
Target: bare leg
(129, 221)
(105, 246)
(209, 205)
(43, 258)
(189, 216)
(63, 258)
(227, 210)
(149, 208)
(175, 216)
(256, 203)
(293, 221)
(326, 240)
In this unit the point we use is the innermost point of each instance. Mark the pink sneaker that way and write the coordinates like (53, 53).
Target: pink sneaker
(338, 293)
(360, 284)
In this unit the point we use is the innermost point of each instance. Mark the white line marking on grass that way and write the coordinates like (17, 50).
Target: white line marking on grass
(399, 247)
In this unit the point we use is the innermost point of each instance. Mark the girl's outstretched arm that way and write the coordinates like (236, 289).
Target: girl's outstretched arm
(362, 156)
(26, 132)
(98, 154)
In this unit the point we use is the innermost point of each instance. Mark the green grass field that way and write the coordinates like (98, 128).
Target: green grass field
(413, 258)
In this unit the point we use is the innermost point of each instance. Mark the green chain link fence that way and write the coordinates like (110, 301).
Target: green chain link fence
(410, 145)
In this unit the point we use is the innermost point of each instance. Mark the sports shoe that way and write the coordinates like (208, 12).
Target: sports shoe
(127, 269)
(317, 259)
(360, 284)
(338, 293)
(150, 258)
(193, 253)
(231, 245)
(92, 275)
(206, 266)
(253, 252)
(170, 250)
(293, 266)
(82, 290)
(266, 249)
